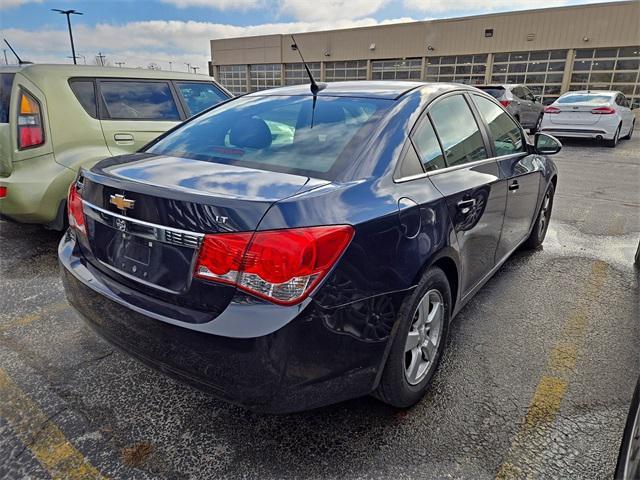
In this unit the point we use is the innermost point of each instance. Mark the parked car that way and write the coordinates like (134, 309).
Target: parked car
(520, 102)
(55, 119)
(286, 251)
(600, 114)
(628, 466)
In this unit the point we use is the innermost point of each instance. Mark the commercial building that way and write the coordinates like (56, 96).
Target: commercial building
(552, 50)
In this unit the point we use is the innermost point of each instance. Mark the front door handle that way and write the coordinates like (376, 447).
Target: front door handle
(123, 137)
(514, 186)
(465, 206)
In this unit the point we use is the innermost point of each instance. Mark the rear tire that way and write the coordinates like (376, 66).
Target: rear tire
(628, 135)
(614, 141)
(539, 230)
(410, 368)
(535, 129)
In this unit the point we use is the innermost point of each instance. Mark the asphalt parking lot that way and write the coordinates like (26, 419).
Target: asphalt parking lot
(536, 381)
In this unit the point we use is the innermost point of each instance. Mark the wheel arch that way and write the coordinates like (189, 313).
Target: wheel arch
(447, 261)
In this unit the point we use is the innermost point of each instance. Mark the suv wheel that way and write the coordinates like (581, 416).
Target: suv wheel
(418, 343)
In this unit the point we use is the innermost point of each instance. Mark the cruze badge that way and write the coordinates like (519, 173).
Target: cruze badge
(121, 202)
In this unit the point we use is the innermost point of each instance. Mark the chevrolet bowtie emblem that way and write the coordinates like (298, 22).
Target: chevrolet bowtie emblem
(121, 202)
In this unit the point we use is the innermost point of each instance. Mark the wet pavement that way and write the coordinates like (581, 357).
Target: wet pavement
(536, 381)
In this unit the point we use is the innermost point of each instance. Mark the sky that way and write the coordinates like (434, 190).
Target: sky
(141, 32)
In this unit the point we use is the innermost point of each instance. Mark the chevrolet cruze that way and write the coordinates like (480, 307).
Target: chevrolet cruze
(298, 247)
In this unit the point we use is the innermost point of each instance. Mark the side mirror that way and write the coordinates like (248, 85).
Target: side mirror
(537, 98)
(545, 144)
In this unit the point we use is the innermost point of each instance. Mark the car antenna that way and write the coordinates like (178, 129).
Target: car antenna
(20, 61)
(315, 86)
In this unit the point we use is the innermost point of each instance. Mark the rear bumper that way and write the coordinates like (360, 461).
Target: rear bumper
(317, 358)
(35, 188)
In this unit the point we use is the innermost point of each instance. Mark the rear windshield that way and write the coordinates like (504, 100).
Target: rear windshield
(284, 134)
(585, 98)
(6, 81)
(495, 92)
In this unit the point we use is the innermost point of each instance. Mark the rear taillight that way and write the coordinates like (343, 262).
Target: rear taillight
(3, 192)
(30, 129)
(505, 103)
(74, 208)
(282, 266)
(603, 111)
(551, 110)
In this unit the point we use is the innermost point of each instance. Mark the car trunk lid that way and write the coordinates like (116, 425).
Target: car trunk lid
(575, 114)
(146, 216)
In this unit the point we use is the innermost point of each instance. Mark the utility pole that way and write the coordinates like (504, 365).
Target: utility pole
(6, 62)
(195, 69)
(188, 66)
(101, 57)
(119, 64)
(68, 13)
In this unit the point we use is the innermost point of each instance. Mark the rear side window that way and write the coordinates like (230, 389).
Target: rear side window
(6, 82)
(129, 100)
(199, 96)
(85, 92)
(428, 147)
(507, 136)
(458, 131)
(291, 134)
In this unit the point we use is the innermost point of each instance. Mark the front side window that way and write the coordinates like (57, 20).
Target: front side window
(278, 133)
(458, 131)
(199, 96)
(126, 100)
(428, 147)
(506, 135)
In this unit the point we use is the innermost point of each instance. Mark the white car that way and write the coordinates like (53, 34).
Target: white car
(600, 114)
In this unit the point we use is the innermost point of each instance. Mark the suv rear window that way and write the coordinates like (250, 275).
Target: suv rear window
(6, 82)
(495, 92)
(127, 100)
(283, 134)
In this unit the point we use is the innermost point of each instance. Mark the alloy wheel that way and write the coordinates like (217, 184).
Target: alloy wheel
(424, 337)
(544, 214)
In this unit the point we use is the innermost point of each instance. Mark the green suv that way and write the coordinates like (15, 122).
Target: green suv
(55, 119)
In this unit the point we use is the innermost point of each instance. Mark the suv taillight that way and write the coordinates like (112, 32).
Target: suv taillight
(282, 266)
(603, 111)
(30, 128)
(74, 209)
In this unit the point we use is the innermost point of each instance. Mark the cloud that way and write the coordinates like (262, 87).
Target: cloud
(159, 41)
(308, 10)
(441, 6)
(6, 4)
(216, 4)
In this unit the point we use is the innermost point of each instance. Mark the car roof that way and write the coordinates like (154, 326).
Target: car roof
(63, 70)
(390, 90)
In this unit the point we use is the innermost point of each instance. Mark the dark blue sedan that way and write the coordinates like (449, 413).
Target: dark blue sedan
(287, 249)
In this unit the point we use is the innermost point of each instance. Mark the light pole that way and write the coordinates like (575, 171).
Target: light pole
(188, 66)
(195, 69)
(68, 13)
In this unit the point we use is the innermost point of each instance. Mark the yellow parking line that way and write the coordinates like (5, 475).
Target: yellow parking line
(550, 391)
(33, 317)
(41, 436)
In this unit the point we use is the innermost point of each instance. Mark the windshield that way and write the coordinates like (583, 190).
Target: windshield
(495, 92)
(6, 80)
(585, 98)
(278, 133)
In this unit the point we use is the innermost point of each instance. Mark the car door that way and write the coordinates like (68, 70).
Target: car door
(134, 112)
(526, 106)
(519, 171)
(535, 108)
(467, 178)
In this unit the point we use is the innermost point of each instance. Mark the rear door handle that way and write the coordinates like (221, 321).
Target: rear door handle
(514, 186)
(123, 137)
(465, 206)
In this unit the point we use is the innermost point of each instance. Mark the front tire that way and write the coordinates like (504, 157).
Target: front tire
(539, 230)
(614, 141)
(419, 341)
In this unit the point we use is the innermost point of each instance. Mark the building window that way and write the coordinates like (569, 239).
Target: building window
(608, 69)
(541, 71)
(234, 78)
(265, 75)
(295, 74)
(351, 70)
(467, 69)
(398, 69)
